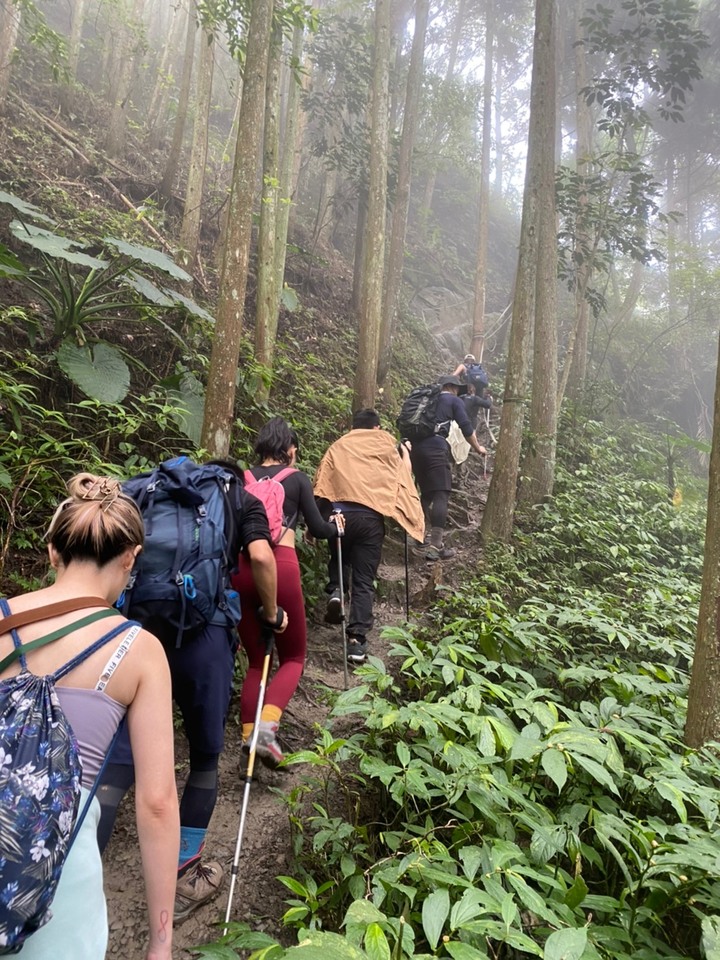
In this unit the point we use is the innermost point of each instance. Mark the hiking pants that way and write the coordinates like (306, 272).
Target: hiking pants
(361, 553)
(290, 645)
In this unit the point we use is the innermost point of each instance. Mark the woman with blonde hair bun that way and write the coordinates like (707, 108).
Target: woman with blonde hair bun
(117, 669)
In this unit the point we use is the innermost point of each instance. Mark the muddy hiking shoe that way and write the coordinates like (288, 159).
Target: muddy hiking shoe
(268, 749)
(199, 885)
(356, 650)
(333, 612)
(439, 553)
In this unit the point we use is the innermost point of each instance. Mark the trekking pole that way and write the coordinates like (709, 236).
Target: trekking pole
(267, 635)
(407, 582)
(342, 602)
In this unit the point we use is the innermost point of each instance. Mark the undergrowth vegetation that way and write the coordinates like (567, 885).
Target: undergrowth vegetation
(514, 780)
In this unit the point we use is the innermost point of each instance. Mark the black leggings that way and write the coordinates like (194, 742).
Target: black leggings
(435, 507)
(198, 799)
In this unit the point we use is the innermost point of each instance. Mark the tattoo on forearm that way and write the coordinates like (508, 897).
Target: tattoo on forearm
(162, 932)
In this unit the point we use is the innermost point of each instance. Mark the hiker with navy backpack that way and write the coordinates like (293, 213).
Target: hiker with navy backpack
(367, 477)
(430, 455)
(288, 496)
(472, 373)
(197, 519)
(73, 669)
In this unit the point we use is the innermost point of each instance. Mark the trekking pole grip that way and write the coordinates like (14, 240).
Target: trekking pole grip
(272, 625)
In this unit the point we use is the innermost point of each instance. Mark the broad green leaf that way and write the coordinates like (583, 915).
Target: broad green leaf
(463, 951)
(509, 910)
(362, 913)
(403, 752)
(596, 771)
(195, 309)
(670, 792)
(711, 937)
(435, 912)
(289, 299)
(466, 909)
(100, 372)
(190, 399)
(147, 289)
(576, 893)
(25, 208)
(54, 245)
(376, 944)
(5, 479)
(566, 944)
(525, 748)
(10, 266)
(554, 765)
(149, 256)
(292, 884)
(471, 858)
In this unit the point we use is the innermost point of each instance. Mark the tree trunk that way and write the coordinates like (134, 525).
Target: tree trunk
(222, 375)
(477, 345)
(500, 508)
(9, 28)
(434, 148)
(539, 466)
(267, 295)
(499, 167)
(374, 260)
(155, 119)
(396, 254)
(575, 365)
(703, 713)
(73, 54)
(288, 162)
(127, 54)
(190, 229)
(167, 183)
(359, 252)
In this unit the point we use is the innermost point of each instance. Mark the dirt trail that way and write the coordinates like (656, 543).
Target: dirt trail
(259, 898)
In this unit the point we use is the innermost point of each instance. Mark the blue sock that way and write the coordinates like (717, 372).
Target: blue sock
(192, 841)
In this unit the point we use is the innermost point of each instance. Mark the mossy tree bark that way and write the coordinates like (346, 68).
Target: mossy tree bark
(398, 227)
(167, 183)
(190, 228)
(222, 375)
(10, 17)
(502, 496)
(477, 344)
(374, 259)
(703, 716)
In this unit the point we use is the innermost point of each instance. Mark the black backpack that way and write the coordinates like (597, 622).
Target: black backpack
(416, 420)
(181, 580)
(476, 375)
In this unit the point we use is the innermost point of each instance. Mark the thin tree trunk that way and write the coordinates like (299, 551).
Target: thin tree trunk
(73, 54)
(703, 712)
(266, 297)
(499, 165)
(500, 508)
(359, 251)
(167, 184)
(477, 345)
(127, 56)
(287, 164)
(402, 195)
(220, 397)
(539, 466)
(374, 260)
(9, 30)
(190, 229)
(155, 119)
(434, 148)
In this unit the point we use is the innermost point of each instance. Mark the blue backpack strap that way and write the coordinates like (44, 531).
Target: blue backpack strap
(88, 651)
(22, 648)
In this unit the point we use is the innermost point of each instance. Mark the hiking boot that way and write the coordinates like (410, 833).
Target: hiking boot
(268, 749)
(439, 553)
(356, 650)
(199, 885)
(333, 613)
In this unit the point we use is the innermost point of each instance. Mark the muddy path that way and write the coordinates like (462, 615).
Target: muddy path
(266, 851)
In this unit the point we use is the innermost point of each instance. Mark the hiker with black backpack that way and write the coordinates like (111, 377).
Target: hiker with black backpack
(472, 373)
(287, 495)
(67, 682)
(198, 517)
(430, 457)
(368, 477)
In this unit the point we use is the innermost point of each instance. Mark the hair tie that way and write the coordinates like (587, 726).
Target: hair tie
(106, 490)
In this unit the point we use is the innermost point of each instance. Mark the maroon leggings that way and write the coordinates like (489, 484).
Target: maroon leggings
(290, 645)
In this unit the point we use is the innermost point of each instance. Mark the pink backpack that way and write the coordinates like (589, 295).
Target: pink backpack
(270, 493)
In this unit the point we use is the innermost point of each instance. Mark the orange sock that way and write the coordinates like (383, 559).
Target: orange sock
(271, 713)
(247, 730)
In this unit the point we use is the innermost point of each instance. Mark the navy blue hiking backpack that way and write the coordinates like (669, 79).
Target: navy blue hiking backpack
(40, 776)
(476, 375)
(181, 580)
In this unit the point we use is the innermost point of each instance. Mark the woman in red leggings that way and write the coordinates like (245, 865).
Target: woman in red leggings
(276, 449)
